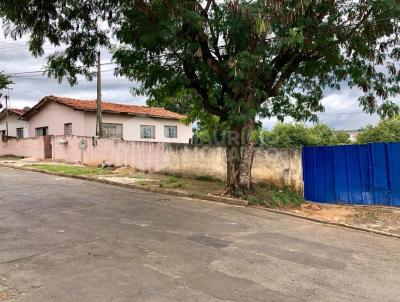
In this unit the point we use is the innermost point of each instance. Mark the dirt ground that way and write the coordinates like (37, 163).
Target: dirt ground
(127, 175)
(380, 218)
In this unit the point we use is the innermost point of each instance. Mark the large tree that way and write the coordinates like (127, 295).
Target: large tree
(234, 59)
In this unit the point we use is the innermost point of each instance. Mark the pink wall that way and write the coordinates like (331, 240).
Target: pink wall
(139, 155)
(27, 147)
(55, 116)
(278, 166)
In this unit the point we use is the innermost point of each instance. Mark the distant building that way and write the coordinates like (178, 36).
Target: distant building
(17, 127)
(352, 134)
(66, 116)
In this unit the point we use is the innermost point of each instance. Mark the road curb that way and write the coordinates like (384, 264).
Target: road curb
(230, 201)
(338, 224)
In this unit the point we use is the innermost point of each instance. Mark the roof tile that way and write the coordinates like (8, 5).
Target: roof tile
(90, 105)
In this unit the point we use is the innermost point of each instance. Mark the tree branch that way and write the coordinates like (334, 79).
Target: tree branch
(285, 74)
(195, 84)
(208, 5)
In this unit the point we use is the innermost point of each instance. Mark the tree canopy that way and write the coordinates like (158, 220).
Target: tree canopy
(233, 59)
(299, 135)
(387, 130)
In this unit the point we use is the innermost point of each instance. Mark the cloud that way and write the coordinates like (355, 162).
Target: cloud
(342, 110)
(31, 88)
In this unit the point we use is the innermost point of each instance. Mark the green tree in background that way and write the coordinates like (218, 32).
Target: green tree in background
(387, 130)
(285, 136)
(4, 81)
(234, 59)
(299, 135)
(343, 138)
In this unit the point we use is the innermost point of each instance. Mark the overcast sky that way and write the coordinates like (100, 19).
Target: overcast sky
(341, 107)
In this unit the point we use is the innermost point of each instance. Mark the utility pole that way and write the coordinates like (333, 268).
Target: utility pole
(7, 97)
(99, 122)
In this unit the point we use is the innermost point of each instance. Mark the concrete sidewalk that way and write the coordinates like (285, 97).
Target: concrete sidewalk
(64, 239)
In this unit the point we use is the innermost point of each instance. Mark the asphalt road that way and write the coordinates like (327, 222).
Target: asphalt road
(69, 240)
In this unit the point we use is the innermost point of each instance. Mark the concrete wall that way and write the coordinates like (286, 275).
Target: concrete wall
(278, 166)
(27, 147)
(13, 123)
(55, 116)
(92, 151)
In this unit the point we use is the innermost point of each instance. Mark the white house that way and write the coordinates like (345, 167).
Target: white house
(17, 127)
(59, 115)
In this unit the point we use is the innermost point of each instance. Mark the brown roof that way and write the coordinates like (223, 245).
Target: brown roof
(90, 105)
(19, 112)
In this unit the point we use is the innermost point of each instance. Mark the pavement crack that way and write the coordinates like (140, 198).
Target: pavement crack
(21, 259)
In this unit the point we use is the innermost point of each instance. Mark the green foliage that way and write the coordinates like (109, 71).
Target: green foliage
(342, 137)
(234, 59)
(298, 135)
(70, 170)
(179, 103)
(173, 182)
(273, 197)
(5, 81)
(208, 178)
(387, 130)
(210, 130)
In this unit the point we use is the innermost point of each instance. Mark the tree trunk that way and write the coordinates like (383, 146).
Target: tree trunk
(246, 162)
(240, 154)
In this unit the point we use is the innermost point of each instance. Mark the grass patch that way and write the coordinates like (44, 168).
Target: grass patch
(178, 185)
(172, 179)
(70, 170)
(172, 182)
(207, 178)
(271, 196)
(11, 157)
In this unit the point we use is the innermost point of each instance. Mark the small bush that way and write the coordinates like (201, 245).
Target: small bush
(178, 185)
(207, 178)
(172, 179)
(271, 196)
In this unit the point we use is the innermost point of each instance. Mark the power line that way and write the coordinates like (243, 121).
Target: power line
(44, 70)
(340, 113)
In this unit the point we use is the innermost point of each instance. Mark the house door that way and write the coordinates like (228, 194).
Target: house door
(48, 150)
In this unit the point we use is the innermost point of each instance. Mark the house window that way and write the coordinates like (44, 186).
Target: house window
(112, 130)
(68, 129)
(42, 131)
(147, 131)
(170, 131)
(20, 132)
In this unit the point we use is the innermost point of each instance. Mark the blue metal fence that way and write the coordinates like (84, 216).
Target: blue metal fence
(354, 174)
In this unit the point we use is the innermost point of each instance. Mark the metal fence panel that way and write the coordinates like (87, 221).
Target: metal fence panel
(353, 174)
